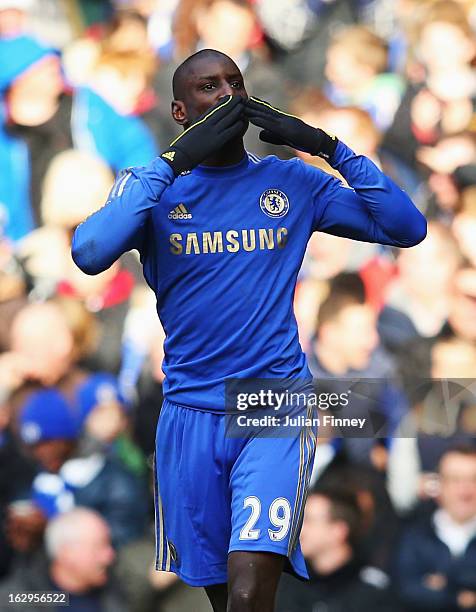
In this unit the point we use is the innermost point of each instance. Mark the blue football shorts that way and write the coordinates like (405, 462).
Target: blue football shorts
(215, 494)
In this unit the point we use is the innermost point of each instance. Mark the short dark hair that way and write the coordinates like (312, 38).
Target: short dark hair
(465, 449)
(183, 69)
(344, 507)
(346, 289)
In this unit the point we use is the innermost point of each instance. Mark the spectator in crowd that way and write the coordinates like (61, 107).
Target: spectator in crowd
(462, 310)
(346, 346)
(356, 70)
(196, 26)
(34, 363)
(16, 475)
(380, 523)
(443, 160)
(49, 429)
(149, 390)
(37, 361)
(51, 441)
(127, 33)
(126, 47)
(65, 202)
(103, 414)
(464, 225)
(123, 57)
(39, 358)
(35, 126)
(13, 287)
(440, 417)
(326, 257)
(47, 258)
(422, 291)
(97, 115)
(300, 34)
(438, 100)
(13, 17)
(447, 49)
(79, 556)
(437, 556)
(339, 580)
(106, 121)
(109, 297)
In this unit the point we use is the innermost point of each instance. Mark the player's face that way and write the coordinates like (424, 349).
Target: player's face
(208, 81)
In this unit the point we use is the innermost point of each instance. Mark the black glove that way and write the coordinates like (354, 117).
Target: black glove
(206, 135)
(283, 129)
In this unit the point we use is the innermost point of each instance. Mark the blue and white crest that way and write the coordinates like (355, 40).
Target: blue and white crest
(274, 203)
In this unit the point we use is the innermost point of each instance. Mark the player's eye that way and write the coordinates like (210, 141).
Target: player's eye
(208, 87)
(237, 84)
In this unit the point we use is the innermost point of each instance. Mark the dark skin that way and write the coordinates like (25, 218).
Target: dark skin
(25, 529)
(252, 582)
(207, 79)
(252, 576)
(51, 454)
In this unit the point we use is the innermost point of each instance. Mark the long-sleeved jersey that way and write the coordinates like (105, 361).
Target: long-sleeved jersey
(222, 246)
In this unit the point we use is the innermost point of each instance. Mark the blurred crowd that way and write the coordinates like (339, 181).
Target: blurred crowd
(85, 90)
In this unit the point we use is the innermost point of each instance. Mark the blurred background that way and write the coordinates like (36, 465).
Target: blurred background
(85, 90)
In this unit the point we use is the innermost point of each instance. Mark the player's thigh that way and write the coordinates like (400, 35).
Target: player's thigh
(269, 483)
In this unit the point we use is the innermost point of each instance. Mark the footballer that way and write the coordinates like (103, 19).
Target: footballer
(221, 235)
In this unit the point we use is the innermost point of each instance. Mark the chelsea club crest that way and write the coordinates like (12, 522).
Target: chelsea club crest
(274, 203)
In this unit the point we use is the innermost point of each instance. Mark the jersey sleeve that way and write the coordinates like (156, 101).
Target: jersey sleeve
(372, 209)
(120, 224)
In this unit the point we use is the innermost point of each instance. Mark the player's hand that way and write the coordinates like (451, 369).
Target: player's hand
(284, 129)
(206, 135)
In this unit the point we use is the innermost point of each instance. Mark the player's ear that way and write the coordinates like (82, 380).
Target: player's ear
(179, 112)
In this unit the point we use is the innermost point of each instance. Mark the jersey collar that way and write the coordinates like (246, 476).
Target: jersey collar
(223, 171)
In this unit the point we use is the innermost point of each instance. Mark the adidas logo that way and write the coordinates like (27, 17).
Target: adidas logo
(180, 212)
(169, 155)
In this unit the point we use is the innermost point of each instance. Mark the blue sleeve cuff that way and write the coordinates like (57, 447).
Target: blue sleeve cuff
(341, 153)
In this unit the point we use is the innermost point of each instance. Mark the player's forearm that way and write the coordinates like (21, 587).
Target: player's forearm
(396, 219)
(119, 225)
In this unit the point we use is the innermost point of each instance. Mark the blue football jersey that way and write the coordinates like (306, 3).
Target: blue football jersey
(221, 247)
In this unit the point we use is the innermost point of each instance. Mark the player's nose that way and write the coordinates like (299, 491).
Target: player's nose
(226, 90)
